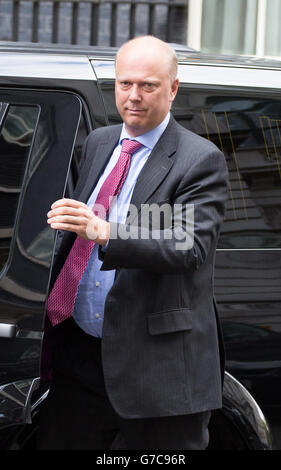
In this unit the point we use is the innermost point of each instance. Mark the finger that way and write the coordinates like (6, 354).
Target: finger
(65, 227)
(68, 219)
(79, 211)
(67, 202)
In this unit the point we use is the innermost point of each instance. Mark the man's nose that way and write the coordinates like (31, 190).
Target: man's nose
(135, 94)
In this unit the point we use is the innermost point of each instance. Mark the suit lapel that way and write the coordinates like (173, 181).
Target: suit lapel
(157, 166)
(102, 154)
(91, 175)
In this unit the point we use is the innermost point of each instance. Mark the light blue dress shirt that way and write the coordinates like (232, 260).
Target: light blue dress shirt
(88, 310)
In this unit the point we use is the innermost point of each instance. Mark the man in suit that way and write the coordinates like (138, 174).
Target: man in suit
(139, 363)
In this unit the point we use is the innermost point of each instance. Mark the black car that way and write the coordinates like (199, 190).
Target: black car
(51, 97)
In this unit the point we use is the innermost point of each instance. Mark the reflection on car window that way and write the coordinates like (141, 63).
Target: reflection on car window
(247, 129)
(233, 331)
(18, 125)
(107, 87)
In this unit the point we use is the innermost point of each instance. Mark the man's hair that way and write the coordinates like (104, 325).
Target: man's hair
(171, 54)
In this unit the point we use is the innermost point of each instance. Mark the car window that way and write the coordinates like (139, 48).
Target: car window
(247, 129)
(107, 87)
(18, 124)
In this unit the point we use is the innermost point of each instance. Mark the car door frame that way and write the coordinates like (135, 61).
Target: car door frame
(24, 279)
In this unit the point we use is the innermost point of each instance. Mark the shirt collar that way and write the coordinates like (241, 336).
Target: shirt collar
(150, 138)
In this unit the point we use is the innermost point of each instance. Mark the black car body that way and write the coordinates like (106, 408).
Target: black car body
(51, 97)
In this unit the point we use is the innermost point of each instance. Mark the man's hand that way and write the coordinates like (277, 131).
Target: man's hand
(75, 216)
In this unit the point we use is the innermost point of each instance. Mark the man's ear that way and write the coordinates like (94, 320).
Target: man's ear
(174, 89)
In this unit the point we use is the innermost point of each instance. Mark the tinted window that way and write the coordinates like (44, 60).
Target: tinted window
(18, 125)
(107, 87)
(247, 129)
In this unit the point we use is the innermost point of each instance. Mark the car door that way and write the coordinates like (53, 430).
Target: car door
(37, 134)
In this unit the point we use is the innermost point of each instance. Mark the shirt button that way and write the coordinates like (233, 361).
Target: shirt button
(97, 283)
(97, 315)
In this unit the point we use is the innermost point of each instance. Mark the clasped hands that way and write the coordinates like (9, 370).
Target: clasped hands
(75, 216)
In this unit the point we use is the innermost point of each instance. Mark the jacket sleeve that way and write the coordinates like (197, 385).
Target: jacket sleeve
(198, 206)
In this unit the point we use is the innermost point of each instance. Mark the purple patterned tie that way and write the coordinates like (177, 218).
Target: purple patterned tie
(62, 297)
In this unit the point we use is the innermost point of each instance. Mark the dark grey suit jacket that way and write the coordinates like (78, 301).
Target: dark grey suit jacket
(161, 344)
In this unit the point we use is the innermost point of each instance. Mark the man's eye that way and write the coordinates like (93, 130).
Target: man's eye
(149, 86)
(125, 84)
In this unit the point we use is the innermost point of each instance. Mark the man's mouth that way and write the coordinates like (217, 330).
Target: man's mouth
(135, 111)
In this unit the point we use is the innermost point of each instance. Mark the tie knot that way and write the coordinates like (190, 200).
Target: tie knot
(130, 146)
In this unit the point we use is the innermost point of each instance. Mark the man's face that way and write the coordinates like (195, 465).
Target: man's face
(143, 90)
